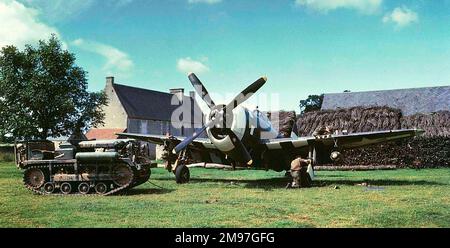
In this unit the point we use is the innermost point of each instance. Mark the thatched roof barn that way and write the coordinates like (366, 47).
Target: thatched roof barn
(430, 150)
(426, 108)
(409, 101)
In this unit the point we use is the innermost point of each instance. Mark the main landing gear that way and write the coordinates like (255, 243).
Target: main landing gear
(181, 171)
(176, 163)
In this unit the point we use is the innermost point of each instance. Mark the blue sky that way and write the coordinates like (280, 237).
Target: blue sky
(302, 46)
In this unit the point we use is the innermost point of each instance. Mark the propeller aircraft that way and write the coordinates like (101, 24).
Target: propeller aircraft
(243, 137)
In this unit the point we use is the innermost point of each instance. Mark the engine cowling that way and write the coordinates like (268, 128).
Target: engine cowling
(227, 134)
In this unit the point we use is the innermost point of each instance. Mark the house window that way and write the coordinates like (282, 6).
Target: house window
(144, 129)
(134, 126)
(165, 127)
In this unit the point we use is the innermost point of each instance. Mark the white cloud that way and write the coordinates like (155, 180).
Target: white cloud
(187, 65)
(204, 1)
(401, 16)
(60, 10)
(117, 61)
(20, 25)
(364, 6)
(78, 42)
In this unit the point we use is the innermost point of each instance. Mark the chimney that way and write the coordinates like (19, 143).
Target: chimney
(179, 92)
(192, 94)
(109, 80)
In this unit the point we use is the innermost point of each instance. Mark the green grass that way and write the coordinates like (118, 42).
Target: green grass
(6, 156)
(218, 198)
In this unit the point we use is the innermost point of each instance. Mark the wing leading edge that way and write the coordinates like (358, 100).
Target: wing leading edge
(344, 141)
(159, 140)
(347, 141)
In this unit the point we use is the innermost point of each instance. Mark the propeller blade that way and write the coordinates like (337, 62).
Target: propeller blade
(188, 140)
(195, 135)
(201, 90)
(247, 93)
(240, 152)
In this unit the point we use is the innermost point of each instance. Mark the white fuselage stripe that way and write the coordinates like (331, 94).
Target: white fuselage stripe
(299, 143)
(273, 146)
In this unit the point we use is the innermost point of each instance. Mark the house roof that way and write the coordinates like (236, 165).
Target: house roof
(103, 133)
(410, 101)
(152, 105)
(67, 137)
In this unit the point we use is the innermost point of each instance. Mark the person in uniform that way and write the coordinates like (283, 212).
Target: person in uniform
(296, 166)
(322, 130)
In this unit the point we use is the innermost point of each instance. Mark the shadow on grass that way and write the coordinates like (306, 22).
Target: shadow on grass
(324, 176)
(266, 183)
(281, 182)
(148, 191)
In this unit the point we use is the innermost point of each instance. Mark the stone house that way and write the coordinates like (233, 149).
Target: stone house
(144, 111)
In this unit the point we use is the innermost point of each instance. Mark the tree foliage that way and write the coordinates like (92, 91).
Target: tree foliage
(312, 103)
(43, 93)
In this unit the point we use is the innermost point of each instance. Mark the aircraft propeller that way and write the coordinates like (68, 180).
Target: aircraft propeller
(219, 114)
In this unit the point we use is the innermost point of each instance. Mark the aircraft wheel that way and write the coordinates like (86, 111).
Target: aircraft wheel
(182, 174)
(305, 179)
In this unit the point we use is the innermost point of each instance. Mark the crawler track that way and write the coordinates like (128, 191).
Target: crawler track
(46, 169)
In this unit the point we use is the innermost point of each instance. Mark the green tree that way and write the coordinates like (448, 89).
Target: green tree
(43, 93)
(312, 103)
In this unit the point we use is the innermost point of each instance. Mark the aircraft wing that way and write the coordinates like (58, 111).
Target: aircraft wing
(342, 140)
(201, 149)
(199, 143)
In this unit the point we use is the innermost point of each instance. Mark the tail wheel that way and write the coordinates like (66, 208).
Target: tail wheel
(122, 175)
(49, 188)
(34, 178)
(66, 188)
(182, 174)
(101, 188)
(83, 188)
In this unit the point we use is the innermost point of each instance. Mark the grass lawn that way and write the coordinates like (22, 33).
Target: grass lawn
(218, 198)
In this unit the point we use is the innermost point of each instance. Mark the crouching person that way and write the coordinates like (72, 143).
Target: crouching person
(300, 176)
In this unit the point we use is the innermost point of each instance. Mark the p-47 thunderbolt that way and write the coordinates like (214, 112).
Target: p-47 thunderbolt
(242, 137)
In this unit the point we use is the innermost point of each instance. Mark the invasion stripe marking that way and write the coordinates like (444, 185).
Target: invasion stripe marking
(273, 146)
(287, 145)
(300, 143)
(290, 144)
